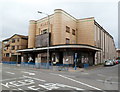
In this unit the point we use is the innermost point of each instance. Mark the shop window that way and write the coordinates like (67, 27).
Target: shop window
(67, 41)
(73, 31)
(44, 59)
(67, 29)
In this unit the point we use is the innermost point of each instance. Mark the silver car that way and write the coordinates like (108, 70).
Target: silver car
(108, 63)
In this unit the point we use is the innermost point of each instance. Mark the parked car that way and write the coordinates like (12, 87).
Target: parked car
(108, 63)
(117, 61)
(114, 61)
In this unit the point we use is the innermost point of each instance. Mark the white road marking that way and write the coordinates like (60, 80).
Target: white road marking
(18, 83)
(85, 73)
(76, 81)
(20, 89)
(12, 79)
(101, 75)
(62, 85)
(14, 89)
(29, 73)
(51, 86)
(22, 82)
(34, 78)
(10, 72)
(80, 82)
(64, 75)
(7, 85)
(33, 88)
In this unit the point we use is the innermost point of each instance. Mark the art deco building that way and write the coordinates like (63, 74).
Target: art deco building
(68, 36)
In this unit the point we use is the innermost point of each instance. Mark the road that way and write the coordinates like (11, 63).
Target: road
(24, 78)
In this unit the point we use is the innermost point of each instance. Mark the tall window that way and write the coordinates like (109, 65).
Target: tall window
(67, 29)
(73, 31)
(13, 40)
(67, 41)
(7, 54)
(17, 39)
(44, 31)
(5, 48)
(17, 47)
(13, 48)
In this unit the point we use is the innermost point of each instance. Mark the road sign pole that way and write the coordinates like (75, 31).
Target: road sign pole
(75, 61)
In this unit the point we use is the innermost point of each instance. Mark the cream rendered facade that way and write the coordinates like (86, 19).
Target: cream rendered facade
(87, 32)
(104, 41)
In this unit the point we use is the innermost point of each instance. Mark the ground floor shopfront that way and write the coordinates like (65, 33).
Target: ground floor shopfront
(66, 54)
(12, 58)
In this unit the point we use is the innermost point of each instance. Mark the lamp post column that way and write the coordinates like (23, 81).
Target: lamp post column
(48, 41)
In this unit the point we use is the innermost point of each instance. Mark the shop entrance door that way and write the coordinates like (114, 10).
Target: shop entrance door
(61, 58)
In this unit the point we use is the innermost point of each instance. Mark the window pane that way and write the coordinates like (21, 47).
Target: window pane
(13, 47)
(67, 41)
(67, 29)
(13, 40)
(73, 31)
(44, 31)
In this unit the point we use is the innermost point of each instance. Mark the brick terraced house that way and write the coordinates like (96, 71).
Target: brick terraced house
(10, 45)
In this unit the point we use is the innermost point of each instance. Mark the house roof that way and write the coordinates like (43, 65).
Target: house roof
(22, 36)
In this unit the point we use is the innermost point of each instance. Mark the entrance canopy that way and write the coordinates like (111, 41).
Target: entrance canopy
(65, 46)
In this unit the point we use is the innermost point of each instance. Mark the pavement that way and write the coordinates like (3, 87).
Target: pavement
(92, 79)
(84, 69)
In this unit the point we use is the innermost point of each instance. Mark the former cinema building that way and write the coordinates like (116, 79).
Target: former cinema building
(66, 36)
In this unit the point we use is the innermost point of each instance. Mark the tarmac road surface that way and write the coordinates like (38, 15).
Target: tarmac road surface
(25, 79)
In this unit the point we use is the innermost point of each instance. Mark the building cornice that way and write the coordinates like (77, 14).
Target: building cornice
(63, 46)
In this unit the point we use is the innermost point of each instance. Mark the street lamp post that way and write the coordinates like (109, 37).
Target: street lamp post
(48, 37)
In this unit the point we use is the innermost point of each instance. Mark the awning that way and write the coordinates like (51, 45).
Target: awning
(80, 46)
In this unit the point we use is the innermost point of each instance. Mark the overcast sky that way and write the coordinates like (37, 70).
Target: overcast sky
(15, 14)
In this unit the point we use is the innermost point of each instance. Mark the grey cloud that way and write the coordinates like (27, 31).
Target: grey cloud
(16, 15)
